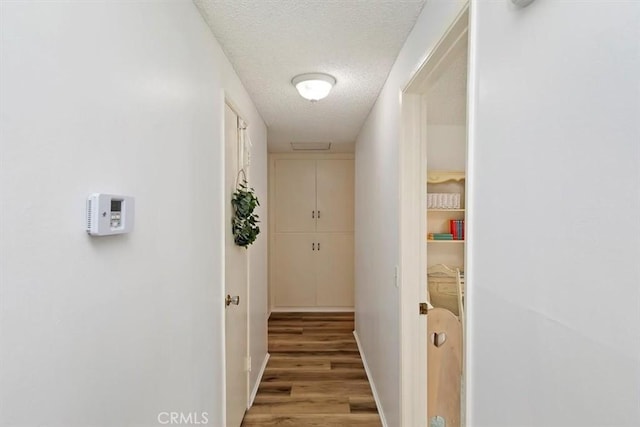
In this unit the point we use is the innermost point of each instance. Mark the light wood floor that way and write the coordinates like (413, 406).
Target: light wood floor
(315, 376)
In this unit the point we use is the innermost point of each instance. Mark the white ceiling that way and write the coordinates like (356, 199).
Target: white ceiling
(271, 41)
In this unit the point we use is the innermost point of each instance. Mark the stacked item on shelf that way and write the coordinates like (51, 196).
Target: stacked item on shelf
(456, 228)
(443, 201)
(440, 236)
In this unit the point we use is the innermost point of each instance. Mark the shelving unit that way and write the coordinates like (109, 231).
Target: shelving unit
(448, 252)
(441, 177)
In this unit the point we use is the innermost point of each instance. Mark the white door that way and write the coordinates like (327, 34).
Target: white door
(334, 269)
(335, 195)
(236, 278)
(295, 195)
(294, 270)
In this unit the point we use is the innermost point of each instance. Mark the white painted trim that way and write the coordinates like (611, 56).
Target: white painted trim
(470, 192)
(413, 327)
(371, 383)
(254, 392)
(248, 303)
(312, 309)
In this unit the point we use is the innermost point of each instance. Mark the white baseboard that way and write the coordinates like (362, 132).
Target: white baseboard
(254, 392)
(373, 385)
(312, 309)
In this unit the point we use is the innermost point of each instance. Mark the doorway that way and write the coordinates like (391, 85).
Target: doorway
(433, 263)
(236, 280)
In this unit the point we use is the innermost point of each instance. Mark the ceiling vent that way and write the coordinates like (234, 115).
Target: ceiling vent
(311, 146)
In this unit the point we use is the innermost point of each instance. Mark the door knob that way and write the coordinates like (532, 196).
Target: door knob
(232, 300)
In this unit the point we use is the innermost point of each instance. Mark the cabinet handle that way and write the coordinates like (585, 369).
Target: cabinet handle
(313, 247)
(318, 245)
(318, 214)
(313, 214)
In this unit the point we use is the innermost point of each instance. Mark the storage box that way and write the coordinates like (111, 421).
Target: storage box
(443, 201)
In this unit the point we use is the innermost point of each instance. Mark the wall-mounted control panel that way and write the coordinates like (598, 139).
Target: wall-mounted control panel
(109, 214)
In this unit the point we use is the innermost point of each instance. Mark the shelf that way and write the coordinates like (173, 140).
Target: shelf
(445, 210)
(444, 241)
(438, 177)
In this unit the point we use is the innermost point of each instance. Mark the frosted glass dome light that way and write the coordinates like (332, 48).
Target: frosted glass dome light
(314, 86)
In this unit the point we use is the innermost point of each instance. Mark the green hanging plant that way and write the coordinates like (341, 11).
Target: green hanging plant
(244, 223)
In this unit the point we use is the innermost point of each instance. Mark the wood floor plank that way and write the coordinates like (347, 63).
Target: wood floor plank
(300, 363)
(303, 405)
(346, 364)
(352, 357)
(331, 388)
(316, 353)
(275, 389)
(362, 405)
(298, 347)
(312, 420)
(315, 376)
(315, 337)
(286, 329)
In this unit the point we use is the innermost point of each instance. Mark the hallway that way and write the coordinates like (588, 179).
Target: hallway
(113, 114)
(315, 376)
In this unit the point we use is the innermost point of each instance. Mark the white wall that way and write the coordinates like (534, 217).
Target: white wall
(447, 147)
(377, 212)
(123, 97)
(554, 278)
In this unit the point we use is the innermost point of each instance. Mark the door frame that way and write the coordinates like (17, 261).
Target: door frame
(413, 248)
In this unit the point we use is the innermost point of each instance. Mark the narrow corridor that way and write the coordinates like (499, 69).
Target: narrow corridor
(315, 376)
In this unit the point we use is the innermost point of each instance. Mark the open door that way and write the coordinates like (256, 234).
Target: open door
(433, 214)
(444, 370)
(236, 287)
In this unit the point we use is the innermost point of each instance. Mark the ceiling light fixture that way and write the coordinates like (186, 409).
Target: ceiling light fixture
(314, 86)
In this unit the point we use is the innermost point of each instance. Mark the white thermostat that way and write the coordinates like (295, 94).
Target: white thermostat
(109, 214)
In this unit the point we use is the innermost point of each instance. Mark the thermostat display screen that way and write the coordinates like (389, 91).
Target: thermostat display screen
(116, 205)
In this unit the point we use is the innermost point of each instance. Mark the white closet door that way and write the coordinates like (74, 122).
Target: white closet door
(334, 270)
(295, 195)
(294, 276)
(335, 195)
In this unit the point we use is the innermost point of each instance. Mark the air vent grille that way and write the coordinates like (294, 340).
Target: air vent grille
(311, 146)
(89, 212)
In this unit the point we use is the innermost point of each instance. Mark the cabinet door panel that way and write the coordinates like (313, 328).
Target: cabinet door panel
(295, 195)
(335, 189)
(334, 267)
(294, 276)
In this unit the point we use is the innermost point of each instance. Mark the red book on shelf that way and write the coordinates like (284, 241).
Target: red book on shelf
(453, 229)
(463, 229)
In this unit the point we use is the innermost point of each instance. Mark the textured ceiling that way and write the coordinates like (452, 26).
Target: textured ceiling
(270, 41)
